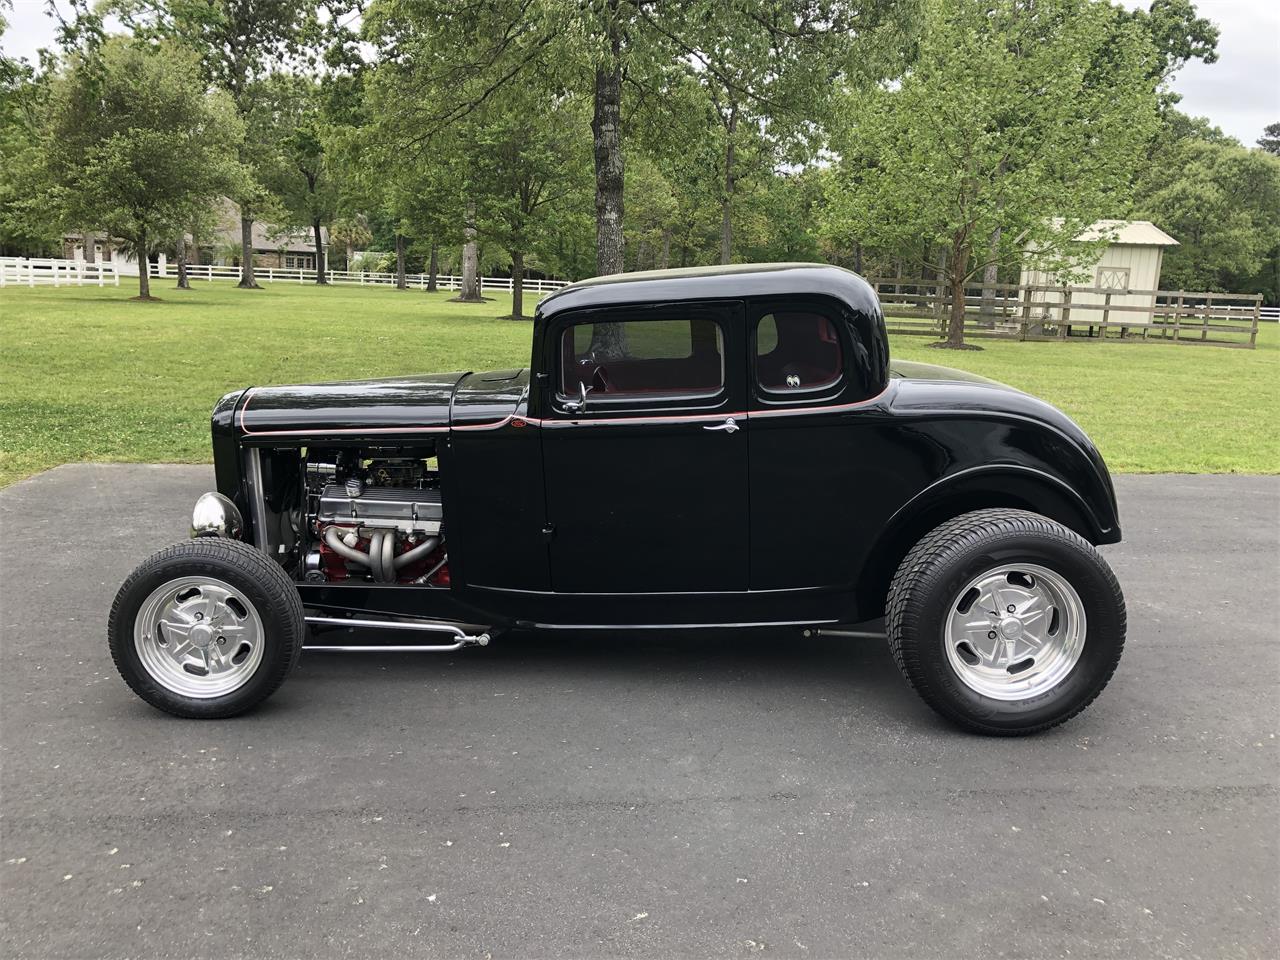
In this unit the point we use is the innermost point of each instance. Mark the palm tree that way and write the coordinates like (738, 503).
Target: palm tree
(351, 232)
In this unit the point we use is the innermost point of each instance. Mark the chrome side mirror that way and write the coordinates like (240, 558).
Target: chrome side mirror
(579, 405)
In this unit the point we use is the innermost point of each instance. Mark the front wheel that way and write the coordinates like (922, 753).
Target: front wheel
(1005, 622)
(206, 629)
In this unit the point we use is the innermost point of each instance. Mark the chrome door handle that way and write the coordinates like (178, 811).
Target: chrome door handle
(729, 426)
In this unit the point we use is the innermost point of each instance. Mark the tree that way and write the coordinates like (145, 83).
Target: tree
(350, 232)
(24, 225)
(238, 43)
(1030, 118)
(1221, 203)
(525, 154)
(422, 193)
(1270, 139)
(201, 224)
(765, 72)
(1176, 33)
(132, 142)
(448, 59)
(301, 176)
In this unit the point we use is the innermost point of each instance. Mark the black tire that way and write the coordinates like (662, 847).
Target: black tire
(262, 582)
(929, 581)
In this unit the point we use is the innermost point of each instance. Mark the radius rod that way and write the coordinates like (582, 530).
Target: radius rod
(461, 638)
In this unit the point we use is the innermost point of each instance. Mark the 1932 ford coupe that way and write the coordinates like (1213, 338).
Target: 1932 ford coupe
(709, 448)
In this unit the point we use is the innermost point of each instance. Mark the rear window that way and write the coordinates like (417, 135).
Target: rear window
(797, 351)
(676, 357)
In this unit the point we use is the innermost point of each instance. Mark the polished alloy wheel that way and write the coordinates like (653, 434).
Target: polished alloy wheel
(198, 637)
(1015, 632)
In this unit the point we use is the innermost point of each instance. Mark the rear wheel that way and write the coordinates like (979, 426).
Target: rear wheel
(1005, 622)
(207, 628)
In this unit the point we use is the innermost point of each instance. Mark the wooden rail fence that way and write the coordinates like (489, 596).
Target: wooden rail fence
(1016, 312)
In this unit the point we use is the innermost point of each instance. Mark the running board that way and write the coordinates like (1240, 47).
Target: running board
(461, 637)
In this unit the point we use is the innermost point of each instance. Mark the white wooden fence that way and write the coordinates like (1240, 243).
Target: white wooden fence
(197, 271)
(47, 271)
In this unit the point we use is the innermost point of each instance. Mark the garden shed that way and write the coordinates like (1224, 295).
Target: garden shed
(1131, 262)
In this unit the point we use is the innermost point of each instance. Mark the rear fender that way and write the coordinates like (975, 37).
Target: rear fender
(1003, 485)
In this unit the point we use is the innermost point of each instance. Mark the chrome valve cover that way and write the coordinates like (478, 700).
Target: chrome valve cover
(411, 511)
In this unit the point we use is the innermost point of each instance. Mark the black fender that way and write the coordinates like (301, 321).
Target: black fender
(975, 488)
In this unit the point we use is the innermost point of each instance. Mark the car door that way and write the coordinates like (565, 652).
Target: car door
(645, 450)
(812, 450)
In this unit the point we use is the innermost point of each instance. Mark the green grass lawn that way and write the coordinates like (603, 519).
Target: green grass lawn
(87, 375)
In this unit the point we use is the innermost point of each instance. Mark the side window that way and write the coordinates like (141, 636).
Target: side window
(797, 351)
(643, 358)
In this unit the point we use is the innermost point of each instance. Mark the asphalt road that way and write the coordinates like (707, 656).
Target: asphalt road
(653, 796)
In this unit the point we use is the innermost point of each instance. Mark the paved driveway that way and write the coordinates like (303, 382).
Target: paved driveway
(657, 797)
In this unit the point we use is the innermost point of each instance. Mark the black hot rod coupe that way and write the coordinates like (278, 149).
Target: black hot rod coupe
(711, 448)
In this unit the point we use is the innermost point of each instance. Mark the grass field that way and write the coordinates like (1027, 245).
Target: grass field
(87, 375)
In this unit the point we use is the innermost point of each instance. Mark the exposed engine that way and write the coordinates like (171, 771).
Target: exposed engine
(375, 515)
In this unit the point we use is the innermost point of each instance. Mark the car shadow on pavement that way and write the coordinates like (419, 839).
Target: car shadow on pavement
(775, 667)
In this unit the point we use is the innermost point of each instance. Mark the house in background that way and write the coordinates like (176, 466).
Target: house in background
(1130, 266)
(273, 246)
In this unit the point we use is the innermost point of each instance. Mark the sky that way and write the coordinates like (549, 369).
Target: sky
(1240, 93)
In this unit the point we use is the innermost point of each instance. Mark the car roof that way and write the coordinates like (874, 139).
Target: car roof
(731, 281)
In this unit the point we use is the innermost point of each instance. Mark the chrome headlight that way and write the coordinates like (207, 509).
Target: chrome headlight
(216, 516)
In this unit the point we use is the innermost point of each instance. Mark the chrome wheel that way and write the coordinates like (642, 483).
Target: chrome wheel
(198, 637)
(1015, 632)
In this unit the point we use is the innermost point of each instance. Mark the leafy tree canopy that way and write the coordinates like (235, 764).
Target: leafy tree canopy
(1017, 126)
(132, 143)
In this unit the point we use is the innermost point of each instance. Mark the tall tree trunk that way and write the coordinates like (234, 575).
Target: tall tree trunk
(955, 324)
(144, 267)
(726, 202)
(433, 268)
(470, 292)
(86, 237)
(247, 281)
(184, 283)
(517, 285)
(351, 254)
(609, 340)
(322, 273)
(857, 258)
(401, 283)
(956, 278)
(606, 131)
(665, 261)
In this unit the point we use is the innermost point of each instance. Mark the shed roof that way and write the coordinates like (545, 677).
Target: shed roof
(1142, 233)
